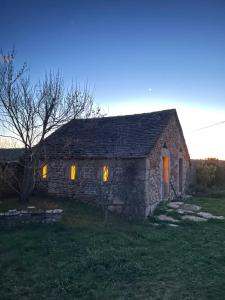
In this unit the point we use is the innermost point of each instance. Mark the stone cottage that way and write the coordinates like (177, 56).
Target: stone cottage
(136, 160)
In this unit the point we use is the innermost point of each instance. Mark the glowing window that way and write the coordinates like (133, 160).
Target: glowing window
(105, 173)
(44, 171)
(73, 172)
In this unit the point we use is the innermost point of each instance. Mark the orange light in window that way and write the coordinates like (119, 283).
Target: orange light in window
(105, 173)
(73, 172)
(44, 171)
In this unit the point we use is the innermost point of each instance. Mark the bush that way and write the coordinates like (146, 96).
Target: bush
(211, 173)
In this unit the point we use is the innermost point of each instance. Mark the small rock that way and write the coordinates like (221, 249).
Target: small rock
(175, 204)
(180, 211)
(166, 218)
(193, 218)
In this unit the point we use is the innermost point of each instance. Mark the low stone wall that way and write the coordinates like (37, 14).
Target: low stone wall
(15, 217)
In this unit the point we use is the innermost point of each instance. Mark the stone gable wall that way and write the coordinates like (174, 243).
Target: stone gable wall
(174, 141)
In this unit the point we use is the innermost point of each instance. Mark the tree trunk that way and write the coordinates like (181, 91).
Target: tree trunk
(27, 182)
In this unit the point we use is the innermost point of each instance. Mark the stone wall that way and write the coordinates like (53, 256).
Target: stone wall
(172, 144)
(15, 217)
(125, 187)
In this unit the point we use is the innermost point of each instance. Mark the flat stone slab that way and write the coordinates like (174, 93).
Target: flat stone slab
(190, 207)
(175, 204)
(209, 216)
(193, 218)
(169, 209)
(173, 225)
(155, 224)
(184, 211)
(167, 218)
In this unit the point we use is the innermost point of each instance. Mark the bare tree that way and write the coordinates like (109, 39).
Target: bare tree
(29, 113)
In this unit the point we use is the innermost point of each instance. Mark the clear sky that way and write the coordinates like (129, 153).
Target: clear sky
(139, 56)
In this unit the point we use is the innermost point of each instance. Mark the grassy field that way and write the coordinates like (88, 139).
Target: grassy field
(80, 259)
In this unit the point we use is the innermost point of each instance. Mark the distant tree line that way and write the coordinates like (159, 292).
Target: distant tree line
(210, 173)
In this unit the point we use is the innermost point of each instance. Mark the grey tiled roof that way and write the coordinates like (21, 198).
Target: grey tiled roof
(120, 136)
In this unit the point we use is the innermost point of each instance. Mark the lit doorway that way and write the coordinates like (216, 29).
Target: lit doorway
(165, 177)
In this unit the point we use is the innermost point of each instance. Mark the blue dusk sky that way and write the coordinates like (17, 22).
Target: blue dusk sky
(138, 56)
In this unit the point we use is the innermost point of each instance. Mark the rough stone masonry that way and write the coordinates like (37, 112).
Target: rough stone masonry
(145, 154)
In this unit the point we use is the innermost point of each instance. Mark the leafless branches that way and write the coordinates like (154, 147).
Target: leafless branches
(29, 113)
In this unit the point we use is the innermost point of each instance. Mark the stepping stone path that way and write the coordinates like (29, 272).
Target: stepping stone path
(189, 212)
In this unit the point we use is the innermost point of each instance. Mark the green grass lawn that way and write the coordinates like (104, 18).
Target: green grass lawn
(81, 259)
